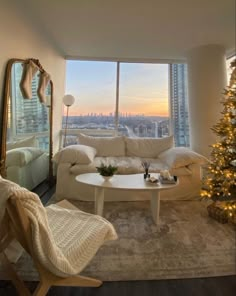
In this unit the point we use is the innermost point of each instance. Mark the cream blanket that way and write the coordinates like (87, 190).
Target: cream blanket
(14, 249)
(64, 241)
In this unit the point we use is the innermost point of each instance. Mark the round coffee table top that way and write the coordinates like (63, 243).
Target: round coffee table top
(127, 182)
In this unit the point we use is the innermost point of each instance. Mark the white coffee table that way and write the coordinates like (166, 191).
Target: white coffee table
(125, 182)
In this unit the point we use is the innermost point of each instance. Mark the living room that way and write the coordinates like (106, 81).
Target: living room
(153, 32)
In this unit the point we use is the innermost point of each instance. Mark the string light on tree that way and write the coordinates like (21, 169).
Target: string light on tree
(220, 180)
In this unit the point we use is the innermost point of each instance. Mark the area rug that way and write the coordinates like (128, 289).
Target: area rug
(188, 244)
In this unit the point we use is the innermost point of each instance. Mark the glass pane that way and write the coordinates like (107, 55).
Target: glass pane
(93, 84)
(143, 103)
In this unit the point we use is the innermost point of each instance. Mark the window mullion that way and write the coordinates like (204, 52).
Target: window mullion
(117, 97)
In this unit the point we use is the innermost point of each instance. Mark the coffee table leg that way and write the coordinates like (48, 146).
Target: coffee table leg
(155, 206)
(99, 201)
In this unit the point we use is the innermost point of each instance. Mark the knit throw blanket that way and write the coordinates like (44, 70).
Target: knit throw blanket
(14, 249)
(64, 241)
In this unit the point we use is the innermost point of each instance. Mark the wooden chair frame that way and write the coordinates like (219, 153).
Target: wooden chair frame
(22, 231)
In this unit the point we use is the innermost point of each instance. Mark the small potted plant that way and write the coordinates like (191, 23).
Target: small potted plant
(106, 171)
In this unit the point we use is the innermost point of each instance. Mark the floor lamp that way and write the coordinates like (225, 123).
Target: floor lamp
(68, 101)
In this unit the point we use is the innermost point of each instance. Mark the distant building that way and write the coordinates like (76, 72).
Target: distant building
(179, 103)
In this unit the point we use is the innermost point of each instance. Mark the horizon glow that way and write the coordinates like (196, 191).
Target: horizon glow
(143, 88)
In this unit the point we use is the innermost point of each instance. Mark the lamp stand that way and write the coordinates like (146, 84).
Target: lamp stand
(68, 101)
(67, 112)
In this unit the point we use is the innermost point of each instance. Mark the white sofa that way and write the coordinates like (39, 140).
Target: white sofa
(26, 164)
(128, 154)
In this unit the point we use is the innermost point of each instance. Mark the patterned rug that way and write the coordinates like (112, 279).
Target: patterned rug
(187, 244)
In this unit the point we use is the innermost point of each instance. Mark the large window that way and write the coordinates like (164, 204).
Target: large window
(117, 98)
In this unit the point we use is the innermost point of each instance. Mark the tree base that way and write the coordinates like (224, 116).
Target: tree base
(217, 212)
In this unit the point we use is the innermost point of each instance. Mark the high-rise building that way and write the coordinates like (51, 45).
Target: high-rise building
(179, 103)
(30, 116)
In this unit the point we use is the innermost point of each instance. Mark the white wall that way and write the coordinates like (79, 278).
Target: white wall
(20, 39)
(207, 80)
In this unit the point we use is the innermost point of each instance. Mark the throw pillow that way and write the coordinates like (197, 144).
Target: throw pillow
(105, 146)
(180, 156)
(147, 147)
(75, 154)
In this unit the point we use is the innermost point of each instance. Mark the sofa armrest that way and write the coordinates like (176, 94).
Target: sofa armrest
(177, 157)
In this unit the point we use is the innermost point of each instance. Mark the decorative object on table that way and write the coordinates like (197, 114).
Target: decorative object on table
(219, 182)
(68, 101)
(146, 165)
(152, 180)
(166, 178)
(106, 170)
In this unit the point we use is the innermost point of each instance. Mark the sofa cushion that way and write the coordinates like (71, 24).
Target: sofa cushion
(105, 146)
(180, 156)
(126, 165)
(147, 147)
(75, 154)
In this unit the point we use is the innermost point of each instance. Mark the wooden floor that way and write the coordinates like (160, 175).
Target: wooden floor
(219, 286)
(214, 286)
(45, 191)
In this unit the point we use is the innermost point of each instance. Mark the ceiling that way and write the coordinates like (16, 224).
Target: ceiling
(133, 29)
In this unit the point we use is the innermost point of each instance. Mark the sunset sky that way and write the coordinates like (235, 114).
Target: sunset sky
(143, 88)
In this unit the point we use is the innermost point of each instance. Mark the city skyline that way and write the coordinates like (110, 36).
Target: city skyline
(112, 114)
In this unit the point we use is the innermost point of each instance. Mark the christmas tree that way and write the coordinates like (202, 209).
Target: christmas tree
(219, 182)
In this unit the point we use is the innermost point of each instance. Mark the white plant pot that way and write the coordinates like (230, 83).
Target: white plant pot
(107, 178)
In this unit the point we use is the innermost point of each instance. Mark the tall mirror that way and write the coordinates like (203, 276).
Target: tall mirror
(26, 149)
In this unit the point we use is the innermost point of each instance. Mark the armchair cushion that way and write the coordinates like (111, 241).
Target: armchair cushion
(76, 237)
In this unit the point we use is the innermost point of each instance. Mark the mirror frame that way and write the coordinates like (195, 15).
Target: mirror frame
(6, 98)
